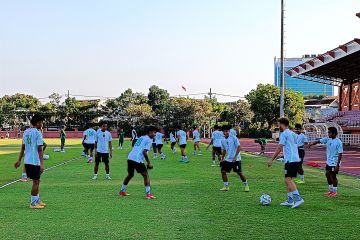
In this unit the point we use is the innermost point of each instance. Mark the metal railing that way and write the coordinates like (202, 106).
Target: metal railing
(348, 139)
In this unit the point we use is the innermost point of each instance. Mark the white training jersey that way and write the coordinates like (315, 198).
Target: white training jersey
(89, 136)
(159, 138)
(196, 135)
(102, 140)
(333, 148)
(230, 145)
(137, 152)
(172, 137)
(290, 149)
(233, 132)
(217, 136)
(182, 137)
(134, 134)
(32, 139)
(301, 140)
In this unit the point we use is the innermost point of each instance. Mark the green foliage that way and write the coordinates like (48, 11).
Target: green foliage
(158, 98)
(237, 112)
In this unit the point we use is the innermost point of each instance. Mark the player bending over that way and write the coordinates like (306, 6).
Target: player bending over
(301, 141)
(196, 138)
(334, 151)
(288, 145)
(182, 140)
(103, 146)
(231, 159)
(216, 139)
(136, 158)
(159, 142)
(32, 147)
(89, 143)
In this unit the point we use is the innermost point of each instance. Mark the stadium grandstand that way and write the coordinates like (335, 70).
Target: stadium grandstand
(339, 67)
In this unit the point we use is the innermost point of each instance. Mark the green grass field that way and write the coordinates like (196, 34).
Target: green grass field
(189, 204)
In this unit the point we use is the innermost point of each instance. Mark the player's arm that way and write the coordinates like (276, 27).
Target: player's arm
(275, 155)
(223, 154)
(312, 143)
(41, 157)
(238, 149)
(211, 142)
(146, 156)
(337, 168)
(21, 154)
(44, 146)
(110, 148)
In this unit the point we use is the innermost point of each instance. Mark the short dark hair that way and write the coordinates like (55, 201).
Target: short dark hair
(226, 127)
(333, 130)
(216, 126)
(36, 118)
(102, 123)
(284, 121)
(298, 125)
(151, 129)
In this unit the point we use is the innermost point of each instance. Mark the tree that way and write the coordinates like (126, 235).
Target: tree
(237, 112)
(158, 98)
(265, 103)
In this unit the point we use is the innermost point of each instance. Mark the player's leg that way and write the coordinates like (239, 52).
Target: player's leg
(24, 177)
(34, 173)
(105, 160)
(91, 153)
(213, 155)
(301, 169)
(238, 170)
(293, 196)
(154, 147)
(335, 183)
(96, 167)
(146, 177)
(194, 148)
(198, 147)
(121, 143)
(162, 155)
(224, 170)
(329, 180)
(127, 179)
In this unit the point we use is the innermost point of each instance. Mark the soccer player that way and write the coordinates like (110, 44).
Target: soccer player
(121, 135)
(334, 151)
(196, 137)
(231, 159)
(233, 131)
(153, 144)
(301, 141)
(89, 143)
(134, 137)
(159, 142)
(32, 147)
(103, 146)
(136, 158)
(216, 138)
(288, 145)
(62, 138)
(182, 140)
(173, 142)
(262, 142)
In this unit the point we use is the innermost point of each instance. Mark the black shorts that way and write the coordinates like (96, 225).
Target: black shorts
(227, 166)
(301, 154)
(173, 144)
(183, 146)
(159, 146)
(291, 169)
(139, 167)
(331, 169)
(88, 146)
(32, 171)
(102, 157)
(217, 150)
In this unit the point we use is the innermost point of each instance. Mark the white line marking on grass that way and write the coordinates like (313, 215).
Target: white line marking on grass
(47, 169)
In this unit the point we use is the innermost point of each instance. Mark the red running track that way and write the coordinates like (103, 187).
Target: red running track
(316, 154)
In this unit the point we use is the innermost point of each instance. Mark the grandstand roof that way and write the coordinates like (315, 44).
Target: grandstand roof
(337, 66)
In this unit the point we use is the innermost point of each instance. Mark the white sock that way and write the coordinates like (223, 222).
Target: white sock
(123, 188)
(302, 177)
(331, 187)
(23, 175)
(226, 184)
(246, 183)
(290, 197)
(334, 189)
(34, 200)
(147, 189)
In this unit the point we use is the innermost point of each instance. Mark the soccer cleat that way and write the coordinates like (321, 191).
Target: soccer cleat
(23, 179)
(247, 189)
(299, 181)
(225, 189)
(298, 203)
(286, 203)
(186, 161)
(150, 196)
(123, 194)
(94, 177)
(214, 165)
(107, 177)
(90, 160)
(332, 194)
(36, 206)
(328, 193)
(199, 153)
(42, 204)
(83, 154)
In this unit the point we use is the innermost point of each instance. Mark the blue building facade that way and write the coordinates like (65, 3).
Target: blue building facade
(305, 87)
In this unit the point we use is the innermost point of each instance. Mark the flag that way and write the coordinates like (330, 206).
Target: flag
(183, 88)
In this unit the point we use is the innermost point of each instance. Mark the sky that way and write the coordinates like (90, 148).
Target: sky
(101, 48)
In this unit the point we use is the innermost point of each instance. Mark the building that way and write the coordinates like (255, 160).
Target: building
(321, 108)
(305, 87)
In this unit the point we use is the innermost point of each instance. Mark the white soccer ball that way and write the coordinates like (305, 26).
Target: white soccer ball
(265, 199)
(46, 157)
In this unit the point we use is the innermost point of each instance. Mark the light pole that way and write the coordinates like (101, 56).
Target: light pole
(282, 85)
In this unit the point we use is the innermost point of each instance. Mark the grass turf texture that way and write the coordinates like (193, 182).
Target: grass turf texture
(189, 204)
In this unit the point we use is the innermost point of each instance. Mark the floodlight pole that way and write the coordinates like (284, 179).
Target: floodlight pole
(282, 84)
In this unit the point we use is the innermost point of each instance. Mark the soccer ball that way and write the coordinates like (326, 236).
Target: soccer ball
(265, 200)
(46, 157)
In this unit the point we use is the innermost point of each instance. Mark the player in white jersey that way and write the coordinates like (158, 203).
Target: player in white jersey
(334, 152)
(231, 158)
(288, 145)
(196, 138)
(103, 146)
(32, 151)
(173, 142)
(136, 158)
(89, 143)
(134, 137)
(159, 142)
(233, 132)
(301, 141)
(216, 139)
(182, 141)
